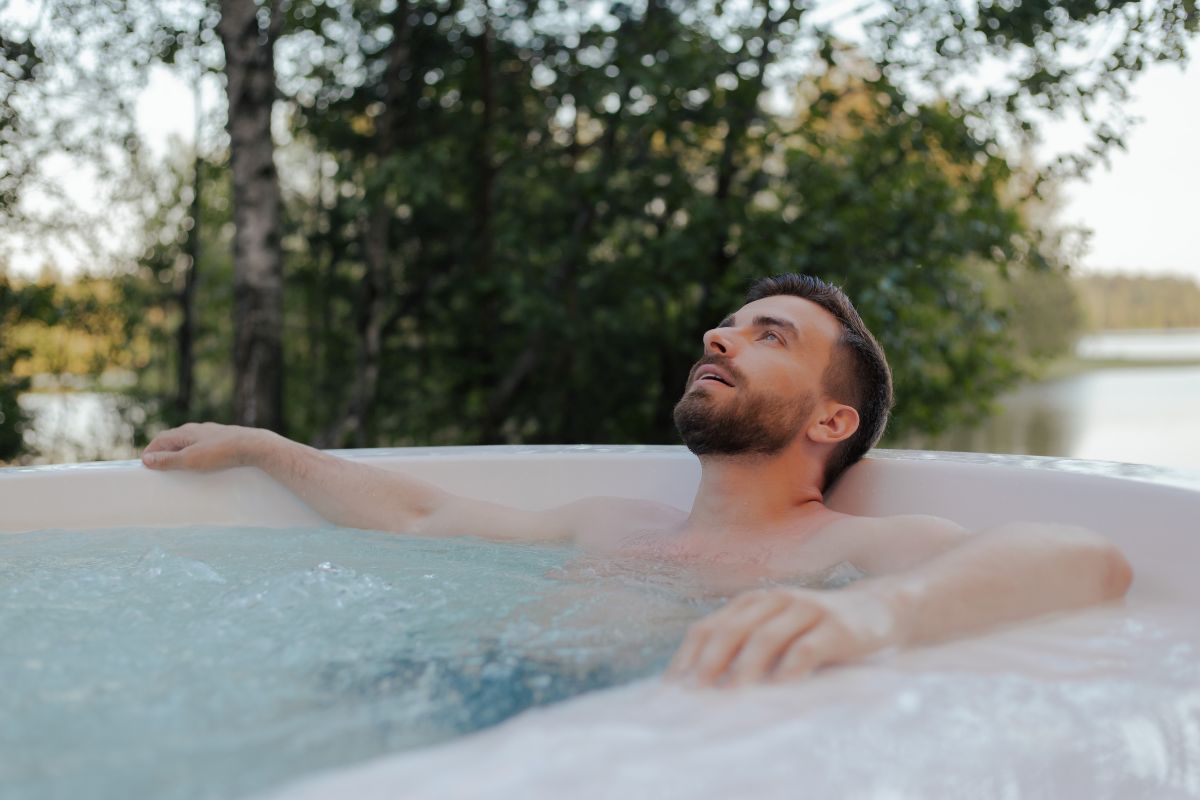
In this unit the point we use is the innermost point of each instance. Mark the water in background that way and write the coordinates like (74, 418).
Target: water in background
(1142, 413)
(70, 427)
(211, 663)
(1142, 345)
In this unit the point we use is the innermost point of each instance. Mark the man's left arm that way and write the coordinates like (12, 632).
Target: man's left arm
(931, 581)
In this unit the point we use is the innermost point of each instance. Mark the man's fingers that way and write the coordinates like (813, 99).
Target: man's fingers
(687, 652)
(782, 634)
(714, 642)
(807, 653)
(162, 459)
(697, 638)
(166, 450)
(766, 645)
(169, 440)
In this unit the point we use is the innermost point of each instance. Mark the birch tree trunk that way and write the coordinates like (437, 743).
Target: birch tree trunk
(257, 258)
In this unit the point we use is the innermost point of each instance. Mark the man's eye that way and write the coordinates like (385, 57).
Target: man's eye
(772, 335)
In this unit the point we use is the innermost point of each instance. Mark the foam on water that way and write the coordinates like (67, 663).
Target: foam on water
(1103, 705)
(190, 663)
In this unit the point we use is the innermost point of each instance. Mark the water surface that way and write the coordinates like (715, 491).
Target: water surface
(1143, 412)
(210, 663)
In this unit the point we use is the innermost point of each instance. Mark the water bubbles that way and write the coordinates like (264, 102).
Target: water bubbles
(908, 702)
(156, 563)
(165, 654)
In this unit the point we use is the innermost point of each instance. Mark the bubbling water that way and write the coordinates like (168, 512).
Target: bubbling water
(212, 662)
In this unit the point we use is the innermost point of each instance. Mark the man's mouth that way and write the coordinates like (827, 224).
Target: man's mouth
(708, 373)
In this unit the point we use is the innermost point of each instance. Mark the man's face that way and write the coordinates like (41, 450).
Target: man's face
(760, 378)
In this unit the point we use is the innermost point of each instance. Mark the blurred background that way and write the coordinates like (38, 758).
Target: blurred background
(475, 221)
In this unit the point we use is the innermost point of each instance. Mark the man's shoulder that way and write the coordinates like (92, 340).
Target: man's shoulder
(886, 544)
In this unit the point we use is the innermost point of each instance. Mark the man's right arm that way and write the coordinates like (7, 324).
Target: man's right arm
(354, 494)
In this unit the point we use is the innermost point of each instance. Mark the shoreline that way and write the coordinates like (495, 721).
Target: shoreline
(1070, 366)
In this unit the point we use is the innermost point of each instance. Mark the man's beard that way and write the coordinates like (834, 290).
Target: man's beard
(752, 424)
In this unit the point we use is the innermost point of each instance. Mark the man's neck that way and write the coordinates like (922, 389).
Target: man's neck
(745, 496)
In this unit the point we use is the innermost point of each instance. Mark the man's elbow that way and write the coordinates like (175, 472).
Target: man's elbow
(1113, 571)
(1118, 573)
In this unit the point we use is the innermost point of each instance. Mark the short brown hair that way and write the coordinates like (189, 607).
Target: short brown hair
(861, 378)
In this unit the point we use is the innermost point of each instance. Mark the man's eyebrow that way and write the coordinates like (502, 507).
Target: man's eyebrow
(763, 322)
(775, 322)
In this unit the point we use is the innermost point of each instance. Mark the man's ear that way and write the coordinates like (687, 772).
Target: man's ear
(837, 423)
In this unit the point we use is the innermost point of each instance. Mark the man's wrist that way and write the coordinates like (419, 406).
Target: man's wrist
(258, 448)
(900, 600)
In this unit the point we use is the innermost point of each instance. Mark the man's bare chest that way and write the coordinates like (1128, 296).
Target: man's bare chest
(733, 566)
(657, 537)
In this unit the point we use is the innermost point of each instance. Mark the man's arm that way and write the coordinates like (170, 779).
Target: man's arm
(354, 494)
(1016, 572)
(1010, 573)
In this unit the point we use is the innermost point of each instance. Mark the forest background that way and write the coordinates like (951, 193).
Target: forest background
(474, 222)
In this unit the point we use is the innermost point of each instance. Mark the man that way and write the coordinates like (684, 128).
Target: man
(792, 389)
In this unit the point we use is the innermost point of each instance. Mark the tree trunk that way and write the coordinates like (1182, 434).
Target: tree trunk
(257, 258)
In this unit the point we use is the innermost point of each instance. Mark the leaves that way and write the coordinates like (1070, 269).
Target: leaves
(574, 198)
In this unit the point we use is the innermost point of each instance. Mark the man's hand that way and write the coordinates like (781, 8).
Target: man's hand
(205, 446)
(1015, 572)
(784, 634)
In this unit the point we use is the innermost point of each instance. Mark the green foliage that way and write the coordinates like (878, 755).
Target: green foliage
(569, 201)
(149, 299)
(1046, 58)
(638, 187)
(18, 304)
(20, 64)
(1045, 315)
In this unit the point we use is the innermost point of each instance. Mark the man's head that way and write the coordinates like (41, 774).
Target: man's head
(796, 360)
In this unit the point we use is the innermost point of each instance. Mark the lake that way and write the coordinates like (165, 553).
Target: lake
(1145, 413)
(77, 426)
(1148, 413)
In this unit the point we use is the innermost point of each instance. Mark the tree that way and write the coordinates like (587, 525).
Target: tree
(512, 222)
(19, 66)
(248, 34)
(16, 303)
(625, 180)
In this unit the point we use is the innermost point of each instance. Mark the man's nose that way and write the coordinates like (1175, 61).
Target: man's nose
(718, 341)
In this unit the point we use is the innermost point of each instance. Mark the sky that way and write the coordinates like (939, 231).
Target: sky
(1142, 207)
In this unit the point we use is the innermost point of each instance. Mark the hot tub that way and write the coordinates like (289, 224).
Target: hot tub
(1104, 703)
